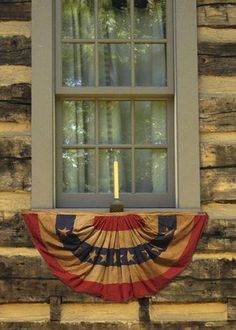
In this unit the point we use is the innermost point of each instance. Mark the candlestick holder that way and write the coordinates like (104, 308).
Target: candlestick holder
(116, 206)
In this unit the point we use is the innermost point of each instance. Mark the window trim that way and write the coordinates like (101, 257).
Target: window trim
(186, 97)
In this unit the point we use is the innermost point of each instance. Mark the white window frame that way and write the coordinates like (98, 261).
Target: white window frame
(187, 165)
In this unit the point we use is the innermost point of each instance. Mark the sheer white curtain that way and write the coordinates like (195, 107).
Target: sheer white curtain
(114, 69)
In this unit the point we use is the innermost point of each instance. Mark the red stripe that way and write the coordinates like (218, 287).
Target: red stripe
(118, 222)
(124, 291)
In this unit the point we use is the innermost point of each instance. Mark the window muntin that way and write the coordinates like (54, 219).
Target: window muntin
(92, 132)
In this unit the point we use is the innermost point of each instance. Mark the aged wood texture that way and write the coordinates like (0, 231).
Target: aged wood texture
(215, 2)
(216, 66)
(15, 10)
(217, 114)
(15, 50)
(22, 266)
(13, 146)
(217, 49)
(14, 113)
(218, 155)
(16, 93)
(217, 15)
(182, 290)
(218, 185)
(174, 325)
(15, 174)
(13, 232)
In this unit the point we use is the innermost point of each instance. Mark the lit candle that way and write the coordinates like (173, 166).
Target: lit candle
(116, 179)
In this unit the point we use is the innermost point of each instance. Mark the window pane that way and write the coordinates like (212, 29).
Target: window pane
(78, 66)
(114, 122)
(150, 19)
(150, 65)
(114, 65)
(78, 19)
(151, 170)
(106, 159)
(113, 19)
(150, 122)
(78, 122)
(79, 171)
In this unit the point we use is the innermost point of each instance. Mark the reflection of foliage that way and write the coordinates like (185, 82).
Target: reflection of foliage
(113, 23)
(78, 122)
(74, 164)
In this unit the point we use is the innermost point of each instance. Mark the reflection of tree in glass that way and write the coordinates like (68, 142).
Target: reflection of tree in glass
(150, 18)
(74, 163)
(78, 19)
(113, 19)
(78, 122)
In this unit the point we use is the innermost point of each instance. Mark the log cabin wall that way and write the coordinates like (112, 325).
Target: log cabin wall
(204, 296)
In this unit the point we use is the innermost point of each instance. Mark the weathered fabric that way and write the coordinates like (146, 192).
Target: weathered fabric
(116, 256)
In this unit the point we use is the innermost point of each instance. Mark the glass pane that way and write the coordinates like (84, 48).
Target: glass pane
(106, 159)
(113, 19)
(78, 19)
(150, 19)
(114, 122)
(78, 122)
(114, 65)
(78, 66)
(150, 65)
(150, 122)
(150, 170)
(79, 170)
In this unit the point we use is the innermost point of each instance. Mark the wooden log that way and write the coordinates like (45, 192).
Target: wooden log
(182, 290)
(15, 50)
(16, 93)
(169, 325)
(14, 113)
(18, 10)
(216, 66)
(15, 174)
(33, 267)
(217, 114)
(217, 15)
(221, 49)
(13, 232)
(214, 2)
(218, 185)
(13, 146)
(217, 155)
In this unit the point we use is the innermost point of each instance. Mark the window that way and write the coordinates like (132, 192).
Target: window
(114, 94)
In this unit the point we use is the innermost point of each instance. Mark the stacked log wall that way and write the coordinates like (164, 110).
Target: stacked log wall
(204, 295)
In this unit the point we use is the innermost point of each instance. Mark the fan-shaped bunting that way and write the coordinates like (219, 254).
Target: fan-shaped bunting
(116, 256)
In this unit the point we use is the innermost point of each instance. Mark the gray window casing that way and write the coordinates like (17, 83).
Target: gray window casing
(187, 167)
